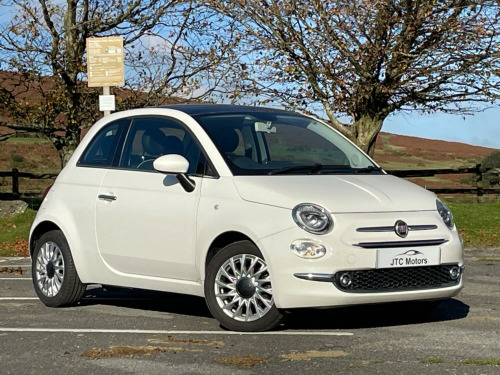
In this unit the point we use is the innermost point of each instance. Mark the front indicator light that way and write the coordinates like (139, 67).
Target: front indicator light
(308, 249)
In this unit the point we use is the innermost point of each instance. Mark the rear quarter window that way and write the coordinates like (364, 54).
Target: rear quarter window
(105, 148)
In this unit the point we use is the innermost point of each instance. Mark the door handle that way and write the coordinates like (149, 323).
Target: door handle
(105, 197)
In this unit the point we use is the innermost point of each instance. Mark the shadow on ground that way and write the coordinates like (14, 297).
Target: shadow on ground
(357, 317)
(383, 315)
(147, 300)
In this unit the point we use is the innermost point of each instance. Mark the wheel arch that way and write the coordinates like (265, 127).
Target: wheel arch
(40, 229)
(223, 240)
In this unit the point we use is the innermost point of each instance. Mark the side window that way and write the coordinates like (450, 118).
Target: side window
(152, 137)
(104, 149)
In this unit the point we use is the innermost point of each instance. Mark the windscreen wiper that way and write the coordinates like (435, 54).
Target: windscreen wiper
(313, 169)
(368, 169)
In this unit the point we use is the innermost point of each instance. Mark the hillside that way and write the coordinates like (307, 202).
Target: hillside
(404, 152)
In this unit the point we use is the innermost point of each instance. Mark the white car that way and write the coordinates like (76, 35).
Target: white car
(258, 210)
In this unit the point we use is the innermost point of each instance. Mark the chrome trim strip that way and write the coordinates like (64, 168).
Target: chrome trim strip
(385, 244)
(315, 276)
(391, 229)
(422, 227)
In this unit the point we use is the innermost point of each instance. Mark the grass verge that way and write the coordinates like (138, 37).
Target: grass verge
(478, 223)
(14, 232)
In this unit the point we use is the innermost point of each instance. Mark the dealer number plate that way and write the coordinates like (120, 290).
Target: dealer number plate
(408, 257)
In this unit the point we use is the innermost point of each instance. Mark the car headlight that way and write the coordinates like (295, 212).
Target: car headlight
(312, 218)
(445, 214)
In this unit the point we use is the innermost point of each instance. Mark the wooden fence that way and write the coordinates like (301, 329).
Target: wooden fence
(16, 175)
(478, 171)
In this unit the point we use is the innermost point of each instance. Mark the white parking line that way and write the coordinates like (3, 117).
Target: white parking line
(14, 259)
(166, 332)
(17, 298)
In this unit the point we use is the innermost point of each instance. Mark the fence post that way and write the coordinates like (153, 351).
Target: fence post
(479, 180)
(15, 182)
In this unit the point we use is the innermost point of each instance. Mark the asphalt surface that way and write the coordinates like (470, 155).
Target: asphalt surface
(139, 332)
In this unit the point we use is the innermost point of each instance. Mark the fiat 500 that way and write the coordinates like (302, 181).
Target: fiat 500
(258, 210)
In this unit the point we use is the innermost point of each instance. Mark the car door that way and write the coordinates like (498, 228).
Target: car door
(145, 220)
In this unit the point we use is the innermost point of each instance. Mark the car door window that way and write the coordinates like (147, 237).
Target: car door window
(104, 149)
(152, 137)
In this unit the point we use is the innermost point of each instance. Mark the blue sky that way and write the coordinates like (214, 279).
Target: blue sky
(481, 129)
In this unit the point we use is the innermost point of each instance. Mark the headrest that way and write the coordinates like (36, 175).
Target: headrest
(153, 141)
(228, 140)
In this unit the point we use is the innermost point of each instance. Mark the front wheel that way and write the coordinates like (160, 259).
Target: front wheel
(53, 271)
(238, 289)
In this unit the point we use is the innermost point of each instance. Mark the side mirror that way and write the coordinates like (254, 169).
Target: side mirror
(178, 165)
(171, 164)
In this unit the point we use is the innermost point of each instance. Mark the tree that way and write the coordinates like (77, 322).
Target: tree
(170, 53)
(492, 160)
(363, 60)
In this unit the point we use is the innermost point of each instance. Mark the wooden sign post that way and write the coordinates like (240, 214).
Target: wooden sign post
(105, 68)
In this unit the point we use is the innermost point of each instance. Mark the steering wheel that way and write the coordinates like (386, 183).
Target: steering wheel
(146, 164)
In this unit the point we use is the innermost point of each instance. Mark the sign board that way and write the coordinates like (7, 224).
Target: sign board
(105, 65)
(106, 102)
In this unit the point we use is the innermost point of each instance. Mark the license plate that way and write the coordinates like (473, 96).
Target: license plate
(408, 257)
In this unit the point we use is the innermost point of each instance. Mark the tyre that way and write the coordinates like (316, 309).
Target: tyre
(238, 289)
(53, 271)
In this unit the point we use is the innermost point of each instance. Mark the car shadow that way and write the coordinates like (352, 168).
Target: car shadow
(352, 317)
(373, 316)
(146, 300)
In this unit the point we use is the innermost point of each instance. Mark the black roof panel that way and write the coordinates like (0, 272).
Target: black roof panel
(205, 109)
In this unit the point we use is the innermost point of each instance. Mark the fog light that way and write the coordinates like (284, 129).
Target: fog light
(308, 249)
(454, 272)
(345, 280)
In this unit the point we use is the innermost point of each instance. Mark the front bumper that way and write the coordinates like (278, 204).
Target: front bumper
(299, 282)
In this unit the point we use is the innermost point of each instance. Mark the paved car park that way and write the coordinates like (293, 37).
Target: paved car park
(121, 331)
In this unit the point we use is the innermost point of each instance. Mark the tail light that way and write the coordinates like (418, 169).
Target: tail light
(46, 191)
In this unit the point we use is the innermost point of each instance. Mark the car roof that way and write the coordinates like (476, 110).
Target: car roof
(206, 109)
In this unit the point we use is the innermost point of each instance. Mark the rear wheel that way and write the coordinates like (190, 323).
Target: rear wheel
(238, 289)
(53, 271)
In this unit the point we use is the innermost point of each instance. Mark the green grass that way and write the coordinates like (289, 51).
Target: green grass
(482, 361)
(14, 232)
(433, 360)
(478, 223)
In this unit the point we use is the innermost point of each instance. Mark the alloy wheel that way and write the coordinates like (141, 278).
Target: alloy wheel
(243, 288)
(50, 269)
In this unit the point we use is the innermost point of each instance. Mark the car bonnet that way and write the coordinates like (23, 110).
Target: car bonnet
(338, 194)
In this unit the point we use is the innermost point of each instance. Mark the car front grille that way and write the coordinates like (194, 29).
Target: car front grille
(396, 279)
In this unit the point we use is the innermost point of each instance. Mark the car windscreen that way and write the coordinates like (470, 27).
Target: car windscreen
(269, 143)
